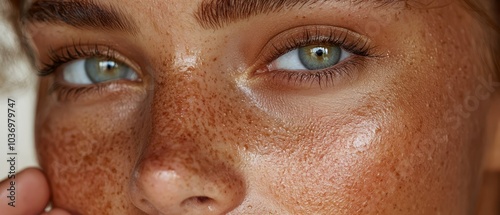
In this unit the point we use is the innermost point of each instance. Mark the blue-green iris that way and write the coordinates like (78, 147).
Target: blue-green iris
(316, 57)
(101, 70)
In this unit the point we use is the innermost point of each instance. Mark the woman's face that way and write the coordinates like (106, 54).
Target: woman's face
(261, 107)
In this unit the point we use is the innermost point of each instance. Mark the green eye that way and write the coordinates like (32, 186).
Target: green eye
(100, 70)
(97, 70)
(313, 57)
(317, 57)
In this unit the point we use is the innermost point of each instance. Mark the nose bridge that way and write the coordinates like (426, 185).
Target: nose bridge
(186, 96)
(182, 112)
(188, 166)
(192, 100)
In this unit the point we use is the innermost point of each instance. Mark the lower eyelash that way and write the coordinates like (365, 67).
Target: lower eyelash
(323, 78)
(67, 54)
(357, 45)
(65, 92)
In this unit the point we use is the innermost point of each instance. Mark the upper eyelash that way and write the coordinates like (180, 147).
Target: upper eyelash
(289, 40)
(358, 46)
(74, 52)
(309, 37)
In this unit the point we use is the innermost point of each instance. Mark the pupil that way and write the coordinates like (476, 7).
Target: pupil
(319, 52)
(107, 65)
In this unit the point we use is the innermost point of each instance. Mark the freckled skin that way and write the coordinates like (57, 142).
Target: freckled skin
(199, 135)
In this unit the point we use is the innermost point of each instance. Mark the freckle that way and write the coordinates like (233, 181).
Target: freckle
(87, 159)
(215, 59)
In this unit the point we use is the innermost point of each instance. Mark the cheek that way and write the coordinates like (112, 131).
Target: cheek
(88, 155)
(360, 163)
(414, 147)
(339, 164)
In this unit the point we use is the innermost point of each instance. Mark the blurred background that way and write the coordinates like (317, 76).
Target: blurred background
(25, 103)
(18, 82)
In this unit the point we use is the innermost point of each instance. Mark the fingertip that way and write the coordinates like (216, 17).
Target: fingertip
(28, 191)
(57, 211)
(34, 178)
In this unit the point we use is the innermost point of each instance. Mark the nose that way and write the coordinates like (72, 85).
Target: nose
(181, 181)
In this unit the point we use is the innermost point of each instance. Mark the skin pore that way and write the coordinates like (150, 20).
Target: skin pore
(212, 118)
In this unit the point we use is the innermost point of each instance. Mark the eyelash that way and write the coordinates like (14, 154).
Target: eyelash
(317, 35)
(75, 52)
(67, 54)
(309, 36)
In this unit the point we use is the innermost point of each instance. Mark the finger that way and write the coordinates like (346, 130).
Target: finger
(26, 194)
(56, 212)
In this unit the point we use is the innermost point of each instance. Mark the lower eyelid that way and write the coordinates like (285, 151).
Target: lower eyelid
(94, 92)
(356, 48)
(346, 71)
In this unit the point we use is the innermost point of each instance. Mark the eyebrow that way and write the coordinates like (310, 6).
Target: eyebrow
(80, 14)
(218, 13)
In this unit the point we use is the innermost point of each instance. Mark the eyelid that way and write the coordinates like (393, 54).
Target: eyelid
(68, 92)
(64, 55)
(347, 70)
(301, 36)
